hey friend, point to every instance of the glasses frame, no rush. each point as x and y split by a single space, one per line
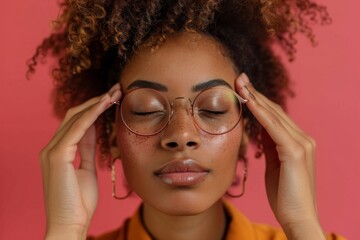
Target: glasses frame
171 103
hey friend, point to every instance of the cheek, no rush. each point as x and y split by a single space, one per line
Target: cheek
134 150
226 146
223 150
134 153
131 144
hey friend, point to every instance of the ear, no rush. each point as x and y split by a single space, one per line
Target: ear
114 149
244 142
243 146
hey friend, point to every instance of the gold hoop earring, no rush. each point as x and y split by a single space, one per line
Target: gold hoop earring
245 173
113 181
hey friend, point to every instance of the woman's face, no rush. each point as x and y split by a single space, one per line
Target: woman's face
182 170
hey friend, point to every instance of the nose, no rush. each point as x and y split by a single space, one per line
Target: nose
181 132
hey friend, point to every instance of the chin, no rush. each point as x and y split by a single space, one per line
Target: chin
183 203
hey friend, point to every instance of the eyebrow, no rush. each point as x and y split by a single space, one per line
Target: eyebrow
160 87
147 84
209 84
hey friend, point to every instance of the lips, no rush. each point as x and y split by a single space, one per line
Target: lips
182 173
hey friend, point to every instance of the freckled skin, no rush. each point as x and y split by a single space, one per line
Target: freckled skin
179 67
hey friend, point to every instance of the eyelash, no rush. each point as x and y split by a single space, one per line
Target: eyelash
212 112
146 113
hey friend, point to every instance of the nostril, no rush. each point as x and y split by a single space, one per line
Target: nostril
172 144
191 144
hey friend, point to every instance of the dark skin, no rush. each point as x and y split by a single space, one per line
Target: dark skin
198 212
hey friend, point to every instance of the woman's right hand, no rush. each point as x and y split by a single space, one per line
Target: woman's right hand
71 194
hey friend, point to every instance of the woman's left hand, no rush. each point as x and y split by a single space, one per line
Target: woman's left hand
290 165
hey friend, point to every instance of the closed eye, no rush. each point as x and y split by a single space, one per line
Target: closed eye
211 112
147 113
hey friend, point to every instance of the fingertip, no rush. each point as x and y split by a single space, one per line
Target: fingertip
241 84
112 95
114 88
115 96
242 80
115 93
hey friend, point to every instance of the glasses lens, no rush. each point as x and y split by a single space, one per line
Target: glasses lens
217 110
145 111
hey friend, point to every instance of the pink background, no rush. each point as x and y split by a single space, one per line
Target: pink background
326 79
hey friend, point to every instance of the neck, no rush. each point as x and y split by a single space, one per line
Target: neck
208 225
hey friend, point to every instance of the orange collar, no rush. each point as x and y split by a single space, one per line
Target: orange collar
240 227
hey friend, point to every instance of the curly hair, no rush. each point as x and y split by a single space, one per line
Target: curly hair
93 40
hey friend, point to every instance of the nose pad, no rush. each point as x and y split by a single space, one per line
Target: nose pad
181 131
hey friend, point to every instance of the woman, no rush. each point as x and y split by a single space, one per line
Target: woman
175 89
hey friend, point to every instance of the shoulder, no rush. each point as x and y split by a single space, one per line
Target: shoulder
241 227
267 232
117 234
132 229
263 231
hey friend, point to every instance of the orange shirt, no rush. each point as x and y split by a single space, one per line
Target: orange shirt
240 228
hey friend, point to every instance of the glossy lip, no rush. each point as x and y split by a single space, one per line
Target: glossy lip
184 172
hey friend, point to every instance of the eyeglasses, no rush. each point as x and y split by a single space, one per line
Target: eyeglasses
146 112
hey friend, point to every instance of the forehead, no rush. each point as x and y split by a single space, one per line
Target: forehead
180 63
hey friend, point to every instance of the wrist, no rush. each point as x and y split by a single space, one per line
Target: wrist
304 231
62 236
68 232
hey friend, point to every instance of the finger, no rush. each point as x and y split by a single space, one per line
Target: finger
45 156
52 156
289 143
60 132
44 167
53 150
269 120
289 124
277 109
74 113
79 108
87 104
271 116
87 146
68 142
47 153
271 112
298 134
264 101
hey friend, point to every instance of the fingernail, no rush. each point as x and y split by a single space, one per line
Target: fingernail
247 92
243 80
